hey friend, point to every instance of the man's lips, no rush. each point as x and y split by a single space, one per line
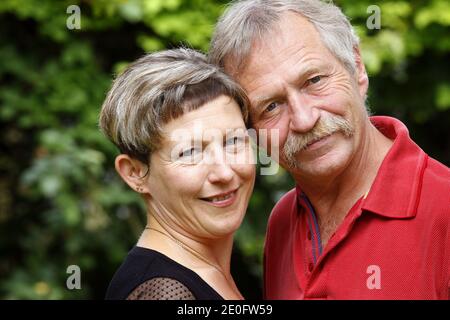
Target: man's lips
317 142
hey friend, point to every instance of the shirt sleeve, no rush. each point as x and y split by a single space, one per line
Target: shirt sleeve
161 289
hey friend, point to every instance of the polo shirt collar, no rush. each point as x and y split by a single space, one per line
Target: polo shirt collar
395 192
396 189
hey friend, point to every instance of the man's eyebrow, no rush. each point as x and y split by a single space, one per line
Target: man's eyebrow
263 100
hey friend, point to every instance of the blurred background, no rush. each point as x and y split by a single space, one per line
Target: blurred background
61 202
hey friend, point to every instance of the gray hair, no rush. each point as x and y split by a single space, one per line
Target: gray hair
157 88
247 21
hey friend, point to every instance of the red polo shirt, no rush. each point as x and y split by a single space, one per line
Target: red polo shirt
393 244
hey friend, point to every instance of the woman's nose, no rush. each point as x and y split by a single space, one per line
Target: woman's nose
221 173
220 170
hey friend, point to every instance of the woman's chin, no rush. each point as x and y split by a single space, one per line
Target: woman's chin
226 227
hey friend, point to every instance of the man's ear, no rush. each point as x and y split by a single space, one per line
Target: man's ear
361 75
132 171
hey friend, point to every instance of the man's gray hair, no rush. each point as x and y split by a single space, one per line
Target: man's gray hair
157 88
248 21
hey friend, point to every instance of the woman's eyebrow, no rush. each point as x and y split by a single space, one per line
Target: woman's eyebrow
206 138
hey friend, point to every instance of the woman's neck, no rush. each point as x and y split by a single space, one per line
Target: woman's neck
210 259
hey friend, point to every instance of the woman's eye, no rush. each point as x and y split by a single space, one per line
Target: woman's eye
233 141
188 152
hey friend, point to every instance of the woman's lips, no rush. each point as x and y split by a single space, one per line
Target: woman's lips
222 200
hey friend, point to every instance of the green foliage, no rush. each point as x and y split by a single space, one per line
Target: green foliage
61 202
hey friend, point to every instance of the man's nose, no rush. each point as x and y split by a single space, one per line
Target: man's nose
302 113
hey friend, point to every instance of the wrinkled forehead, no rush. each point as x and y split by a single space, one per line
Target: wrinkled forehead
290 31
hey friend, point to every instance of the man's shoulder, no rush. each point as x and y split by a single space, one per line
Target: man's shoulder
436 179
435 192
282 209
438 172
279 222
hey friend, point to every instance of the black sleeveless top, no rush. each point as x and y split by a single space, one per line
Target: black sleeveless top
147 274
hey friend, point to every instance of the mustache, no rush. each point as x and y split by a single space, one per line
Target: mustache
324 127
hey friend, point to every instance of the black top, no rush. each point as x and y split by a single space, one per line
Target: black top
148 274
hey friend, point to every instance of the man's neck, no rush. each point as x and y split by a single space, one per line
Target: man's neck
333 196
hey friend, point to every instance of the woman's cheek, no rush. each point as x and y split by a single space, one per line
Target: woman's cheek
187 178
245 171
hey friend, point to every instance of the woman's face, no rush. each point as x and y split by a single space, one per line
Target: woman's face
201 179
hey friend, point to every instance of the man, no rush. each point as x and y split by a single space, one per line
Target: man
370 215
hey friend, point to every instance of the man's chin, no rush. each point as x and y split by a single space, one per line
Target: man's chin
324 165
291 165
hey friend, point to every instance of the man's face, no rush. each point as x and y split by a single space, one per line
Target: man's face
298 87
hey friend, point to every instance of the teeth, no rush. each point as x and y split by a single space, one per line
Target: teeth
222 198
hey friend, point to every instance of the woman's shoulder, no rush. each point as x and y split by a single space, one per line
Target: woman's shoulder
161 288
149 274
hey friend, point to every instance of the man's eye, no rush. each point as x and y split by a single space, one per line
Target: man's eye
271 107
315 79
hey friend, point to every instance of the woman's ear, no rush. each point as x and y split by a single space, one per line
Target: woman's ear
132 172
361 75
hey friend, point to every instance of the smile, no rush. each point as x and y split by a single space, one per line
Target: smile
317 142
222 200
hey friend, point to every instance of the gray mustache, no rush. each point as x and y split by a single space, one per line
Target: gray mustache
324 127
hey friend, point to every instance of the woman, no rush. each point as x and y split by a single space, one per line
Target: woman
180 125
